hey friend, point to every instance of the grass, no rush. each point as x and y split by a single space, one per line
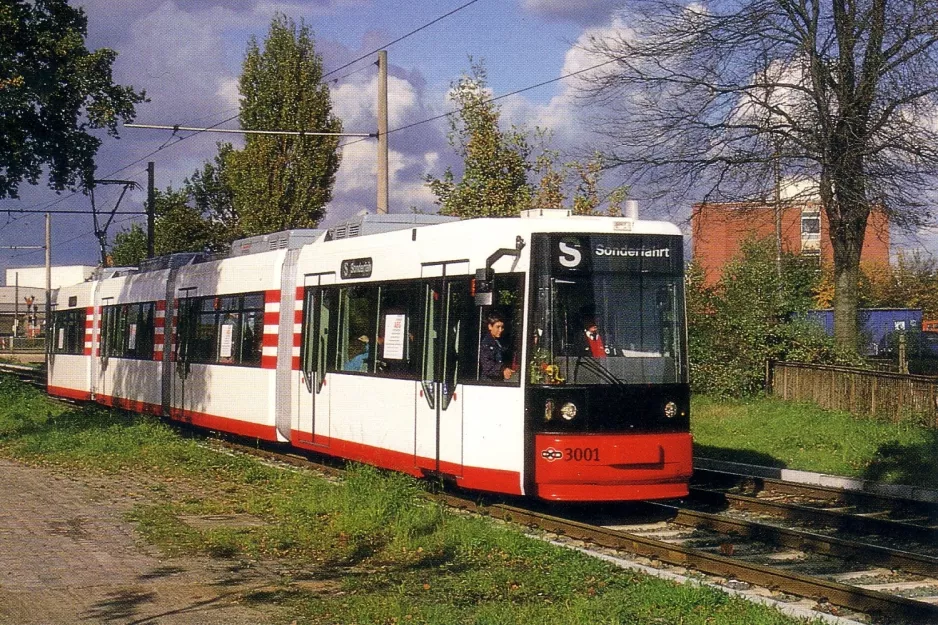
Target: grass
369 549
774 432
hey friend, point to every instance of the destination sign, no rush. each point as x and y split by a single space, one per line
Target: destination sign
356 268
614 253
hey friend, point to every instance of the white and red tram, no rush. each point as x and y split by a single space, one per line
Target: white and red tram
363 342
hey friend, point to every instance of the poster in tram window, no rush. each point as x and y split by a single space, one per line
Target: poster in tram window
395 327
227 334
132 336
61 338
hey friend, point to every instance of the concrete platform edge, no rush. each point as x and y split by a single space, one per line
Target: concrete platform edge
916 493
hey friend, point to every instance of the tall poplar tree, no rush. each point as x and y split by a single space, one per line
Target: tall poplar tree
282 182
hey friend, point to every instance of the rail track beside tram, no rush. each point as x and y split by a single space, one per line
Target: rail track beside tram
846 576
31 375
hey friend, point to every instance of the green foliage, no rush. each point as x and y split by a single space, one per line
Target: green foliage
774 432
495 163
129 247
179 226
210 193
750 316
283 182
52 91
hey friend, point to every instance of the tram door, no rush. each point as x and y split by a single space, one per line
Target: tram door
319 308
439 409
185 387
106 329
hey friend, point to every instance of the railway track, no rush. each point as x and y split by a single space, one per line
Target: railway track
843 576
31 375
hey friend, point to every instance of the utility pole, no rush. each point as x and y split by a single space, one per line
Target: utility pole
151 209
16 308
48 319
382 132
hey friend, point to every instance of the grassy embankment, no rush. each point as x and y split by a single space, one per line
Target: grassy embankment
773 432
378 550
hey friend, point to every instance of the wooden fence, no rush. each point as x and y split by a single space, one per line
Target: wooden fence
892 396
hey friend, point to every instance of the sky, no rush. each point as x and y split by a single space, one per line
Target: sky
187 55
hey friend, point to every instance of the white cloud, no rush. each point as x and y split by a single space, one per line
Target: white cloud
580 11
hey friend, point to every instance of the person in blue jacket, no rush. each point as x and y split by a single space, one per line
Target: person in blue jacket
491 351
359 362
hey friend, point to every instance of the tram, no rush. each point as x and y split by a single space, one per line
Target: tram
374 341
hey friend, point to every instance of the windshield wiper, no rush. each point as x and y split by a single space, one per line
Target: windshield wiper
594 367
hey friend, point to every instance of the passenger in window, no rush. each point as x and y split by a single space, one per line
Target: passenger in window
590 342
491 351
360 361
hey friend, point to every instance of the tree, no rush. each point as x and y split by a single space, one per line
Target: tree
495 163
210 192
179 226
731 97
129 247
52 91
282 182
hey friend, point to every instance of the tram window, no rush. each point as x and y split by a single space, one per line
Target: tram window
226 329
68 331
357 336
399 337
127 331
507 300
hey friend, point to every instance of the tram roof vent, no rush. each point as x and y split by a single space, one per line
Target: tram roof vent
546 213
284 240
366 223
172 261
102 273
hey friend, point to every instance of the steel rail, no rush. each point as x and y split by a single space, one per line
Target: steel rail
29 374
871 602
842 521
805 541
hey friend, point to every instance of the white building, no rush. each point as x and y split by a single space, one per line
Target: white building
64 275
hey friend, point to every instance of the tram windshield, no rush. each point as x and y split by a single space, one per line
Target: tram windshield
608 309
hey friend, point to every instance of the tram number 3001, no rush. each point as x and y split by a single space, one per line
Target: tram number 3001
581 454
576 454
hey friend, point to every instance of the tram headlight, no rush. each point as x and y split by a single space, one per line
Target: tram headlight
568 411
670 410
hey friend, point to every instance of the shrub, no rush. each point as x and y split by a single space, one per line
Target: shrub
752 315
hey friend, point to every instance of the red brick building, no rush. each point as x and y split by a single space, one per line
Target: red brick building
718 231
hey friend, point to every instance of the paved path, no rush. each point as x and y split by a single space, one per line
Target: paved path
67 556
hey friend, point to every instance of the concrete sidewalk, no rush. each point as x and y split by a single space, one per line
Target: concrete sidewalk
67 556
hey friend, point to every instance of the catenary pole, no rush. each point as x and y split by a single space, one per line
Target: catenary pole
382 131
48 319
151 209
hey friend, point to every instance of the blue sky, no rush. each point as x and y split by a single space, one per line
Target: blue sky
187 55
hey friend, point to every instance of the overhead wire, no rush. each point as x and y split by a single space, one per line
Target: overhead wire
490 100
37 208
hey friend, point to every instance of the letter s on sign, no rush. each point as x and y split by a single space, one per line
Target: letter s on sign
571 256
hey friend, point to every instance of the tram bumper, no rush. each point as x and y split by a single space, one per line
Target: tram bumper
612 467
